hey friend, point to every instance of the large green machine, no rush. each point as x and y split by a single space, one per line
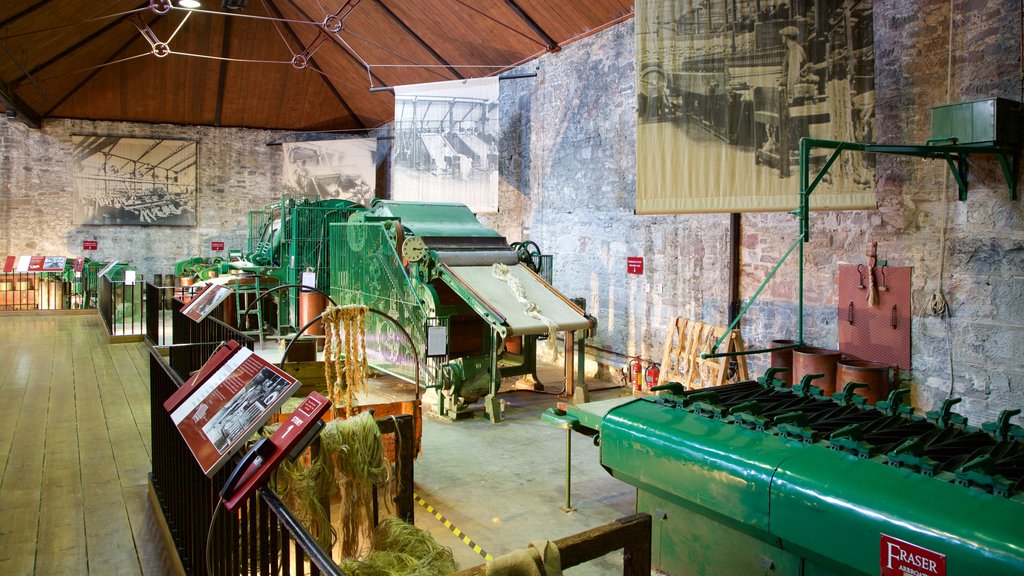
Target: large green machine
286 239
758 478
461 293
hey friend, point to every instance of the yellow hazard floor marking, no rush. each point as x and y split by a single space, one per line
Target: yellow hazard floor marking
448 524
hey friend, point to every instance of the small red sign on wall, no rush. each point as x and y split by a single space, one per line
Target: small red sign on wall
899 558
89 244
635 264
217 246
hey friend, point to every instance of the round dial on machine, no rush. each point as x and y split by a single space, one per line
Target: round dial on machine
413 249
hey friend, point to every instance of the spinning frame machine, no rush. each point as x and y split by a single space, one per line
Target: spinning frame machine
761 478
433 265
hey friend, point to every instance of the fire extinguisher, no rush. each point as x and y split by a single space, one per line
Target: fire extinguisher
652 374
636 370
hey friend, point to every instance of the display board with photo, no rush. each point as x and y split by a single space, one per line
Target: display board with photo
324 169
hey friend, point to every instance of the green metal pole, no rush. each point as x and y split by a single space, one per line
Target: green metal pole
568 471
805 155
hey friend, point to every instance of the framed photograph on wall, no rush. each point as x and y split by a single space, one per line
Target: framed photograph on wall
134 181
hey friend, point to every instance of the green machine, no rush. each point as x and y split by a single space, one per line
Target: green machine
759 478
289 238
285 240
473 310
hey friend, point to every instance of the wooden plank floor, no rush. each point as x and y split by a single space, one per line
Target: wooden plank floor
74 451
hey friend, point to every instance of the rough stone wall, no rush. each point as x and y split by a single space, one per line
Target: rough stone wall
568 183
237 173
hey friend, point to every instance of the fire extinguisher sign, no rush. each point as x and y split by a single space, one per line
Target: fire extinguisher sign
901 558
635 264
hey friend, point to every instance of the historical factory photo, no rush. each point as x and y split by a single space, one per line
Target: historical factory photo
732 86
134 181
235 417
344 169
446 143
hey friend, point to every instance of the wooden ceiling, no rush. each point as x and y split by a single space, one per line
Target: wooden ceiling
281 64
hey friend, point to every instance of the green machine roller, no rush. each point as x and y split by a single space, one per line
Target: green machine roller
757 478
435 269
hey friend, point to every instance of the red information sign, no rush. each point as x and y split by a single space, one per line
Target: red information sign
35 263
635 264
89 244
216 246
901 558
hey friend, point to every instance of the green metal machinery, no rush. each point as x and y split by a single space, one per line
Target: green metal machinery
436 270
285 240
289 238
758 478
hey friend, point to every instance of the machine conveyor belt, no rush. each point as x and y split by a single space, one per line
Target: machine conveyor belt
498 296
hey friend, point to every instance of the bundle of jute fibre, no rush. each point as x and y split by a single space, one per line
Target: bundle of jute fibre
344 354
353 452
401 549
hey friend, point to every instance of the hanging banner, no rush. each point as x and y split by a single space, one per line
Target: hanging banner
325 169
725 91
446 143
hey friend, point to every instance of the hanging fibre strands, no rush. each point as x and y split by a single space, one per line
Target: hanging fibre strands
305 487
345 329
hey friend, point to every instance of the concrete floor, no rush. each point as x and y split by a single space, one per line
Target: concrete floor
503 484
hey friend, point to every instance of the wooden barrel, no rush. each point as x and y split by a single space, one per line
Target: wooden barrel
877 376
807 360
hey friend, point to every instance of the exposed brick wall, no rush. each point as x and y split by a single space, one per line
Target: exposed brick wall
237 172
568 183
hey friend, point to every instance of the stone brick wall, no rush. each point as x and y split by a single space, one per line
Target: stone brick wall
568 183
237 172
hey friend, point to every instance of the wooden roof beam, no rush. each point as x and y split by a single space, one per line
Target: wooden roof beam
223 71
32 8
327 82
14 104
67 51
97 70
551 43
419 40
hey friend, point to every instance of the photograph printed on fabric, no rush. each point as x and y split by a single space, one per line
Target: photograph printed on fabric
446 143
726 90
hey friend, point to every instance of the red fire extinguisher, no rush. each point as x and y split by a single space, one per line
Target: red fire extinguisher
652 374
636 370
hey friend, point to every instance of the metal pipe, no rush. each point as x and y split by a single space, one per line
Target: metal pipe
735 225
570 377
568 471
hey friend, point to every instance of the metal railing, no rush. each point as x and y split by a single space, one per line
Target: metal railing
210 329
46 291
262 536
121 307
160 311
